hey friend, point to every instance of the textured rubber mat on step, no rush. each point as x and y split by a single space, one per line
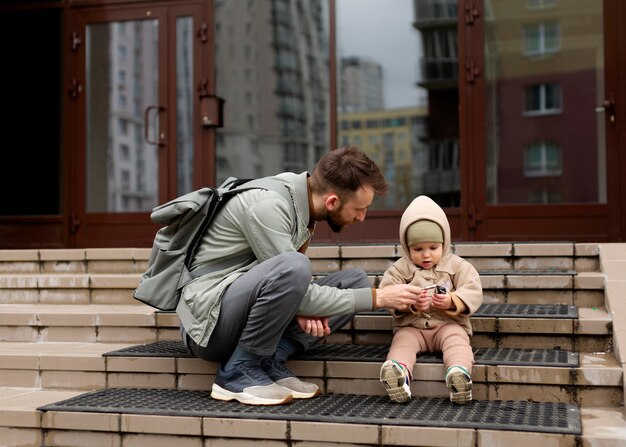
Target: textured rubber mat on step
510 310
529 272
157 349
545 417
377 353
483 356
527 311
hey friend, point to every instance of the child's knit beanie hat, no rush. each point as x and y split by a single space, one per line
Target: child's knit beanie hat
423 231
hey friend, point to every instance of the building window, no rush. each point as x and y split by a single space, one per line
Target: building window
543 159
543 99
541 39
544 196
124 152
125 176
121 78
123 126
433 156
122 52
540 4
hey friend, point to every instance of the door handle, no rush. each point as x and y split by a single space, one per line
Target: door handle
608 106
159 139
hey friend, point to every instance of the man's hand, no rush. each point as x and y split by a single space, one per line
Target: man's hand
398 296
315 326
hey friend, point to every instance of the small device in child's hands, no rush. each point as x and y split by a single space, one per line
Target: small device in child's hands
439 289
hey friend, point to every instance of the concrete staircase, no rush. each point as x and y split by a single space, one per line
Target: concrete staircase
62 310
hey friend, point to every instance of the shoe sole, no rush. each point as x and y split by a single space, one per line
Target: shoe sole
219 393
397 389
460 390
298 395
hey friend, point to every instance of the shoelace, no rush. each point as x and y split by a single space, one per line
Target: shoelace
280 366
256 372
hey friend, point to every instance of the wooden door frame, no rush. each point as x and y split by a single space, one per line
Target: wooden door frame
135 229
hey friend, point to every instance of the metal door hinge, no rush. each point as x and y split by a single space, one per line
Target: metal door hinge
75 41
471 12
203 88
473 217
75 222
75 88
471 72
203 33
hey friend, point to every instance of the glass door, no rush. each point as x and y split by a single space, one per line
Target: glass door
539 113
135 104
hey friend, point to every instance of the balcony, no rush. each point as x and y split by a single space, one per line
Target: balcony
438 72
433 13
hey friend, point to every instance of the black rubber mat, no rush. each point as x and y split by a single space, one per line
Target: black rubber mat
482 356
512 311
157 349
377 353
529 272
486 272
527 311
545 417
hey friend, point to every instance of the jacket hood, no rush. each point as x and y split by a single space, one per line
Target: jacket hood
423 207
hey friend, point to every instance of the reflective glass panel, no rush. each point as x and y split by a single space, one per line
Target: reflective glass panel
184 104
122 79
544 79
271 62
397 94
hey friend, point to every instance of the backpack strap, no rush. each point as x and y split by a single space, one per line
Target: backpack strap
261 183
266 183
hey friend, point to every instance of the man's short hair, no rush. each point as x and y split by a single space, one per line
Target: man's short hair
345 170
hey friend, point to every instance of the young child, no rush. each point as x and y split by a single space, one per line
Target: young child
439 321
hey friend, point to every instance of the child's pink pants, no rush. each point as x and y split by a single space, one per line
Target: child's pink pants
451 339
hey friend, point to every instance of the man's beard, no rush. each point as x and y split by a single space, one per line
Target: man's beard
331 219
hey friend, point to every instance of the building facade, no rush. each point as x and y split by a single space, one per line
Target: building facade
505 113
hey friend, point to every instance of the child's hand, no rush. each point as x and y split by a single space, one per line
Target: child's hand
442 301
422 303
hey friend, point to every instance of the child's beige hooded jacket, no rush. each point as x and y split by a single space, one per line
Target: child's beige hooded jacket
458 275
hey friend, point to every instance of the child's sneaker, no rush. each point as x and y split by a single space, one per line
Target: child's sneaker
397 380
459 382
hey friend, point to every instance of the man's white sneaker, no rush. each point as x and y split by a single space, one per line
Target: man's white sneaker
250 385
279 373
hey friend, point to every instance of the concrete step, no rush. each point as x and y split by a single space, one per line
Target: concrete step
53 353
597 380
21 424
581 257
584 288
510 272
589 332
87 323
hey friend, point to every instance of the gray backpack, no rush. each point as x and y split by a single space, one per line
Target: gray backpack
186 218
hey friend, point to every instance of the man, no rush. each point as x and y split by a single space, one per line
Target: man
258 305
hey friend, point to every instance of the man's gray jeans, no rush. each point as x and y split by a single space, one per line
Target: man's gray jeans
259 307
